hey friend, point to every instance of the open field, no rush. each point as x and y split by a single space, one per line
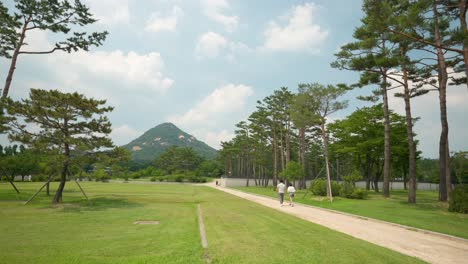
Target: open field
428 213
102 231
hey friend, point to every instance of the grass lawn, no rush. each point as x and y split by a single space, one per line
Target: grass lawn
428 213
102 231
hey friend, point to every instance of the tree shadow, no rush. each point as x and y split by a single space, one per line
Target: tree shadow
98 204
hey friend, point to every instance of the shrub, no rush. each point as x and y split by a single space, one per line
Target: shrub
359 194
39 178
347 190
153 179
319 187
179 178
459 199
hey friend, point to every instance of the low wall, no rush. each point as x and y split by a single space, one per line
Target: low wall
240 182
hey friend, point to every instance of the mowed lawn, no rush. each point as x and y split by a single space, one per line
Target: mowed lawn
102 231
428 213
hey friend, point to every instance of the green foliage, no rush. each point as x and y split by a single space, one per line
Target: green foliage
178 159
459 164
8 32
458 201
209 168
18 161
319 187
347 189
293 171
158 139
359 194
49 15
67 122
353 177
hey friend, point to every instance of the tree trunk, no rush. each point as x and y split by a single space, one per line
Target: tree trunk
386 172
405 177
275 157
325 144
63 179
442 79
448 175
14 58
409 132
288 143
282 149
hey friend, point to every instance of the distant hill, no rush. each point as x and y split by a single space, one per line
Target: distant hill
154 141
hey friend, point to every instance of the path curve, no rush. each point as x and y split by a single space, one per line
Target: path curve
433 248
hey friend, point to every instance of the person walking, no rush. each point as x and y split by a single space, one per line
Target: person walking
280 187
291 191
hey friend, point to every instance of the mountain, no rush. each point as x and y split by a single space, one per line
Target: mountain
154 141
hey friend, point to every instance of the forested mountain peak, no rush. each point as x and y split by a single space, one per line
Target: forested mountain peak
154 141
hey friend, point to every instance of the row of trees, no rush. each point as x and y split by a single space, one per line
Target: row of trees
293 141
416 46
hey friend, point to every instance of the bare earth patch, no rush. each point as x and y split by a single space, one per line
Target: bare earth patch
146 222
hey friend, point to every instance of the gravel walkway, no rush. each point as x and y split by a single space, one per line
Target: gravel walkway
426 245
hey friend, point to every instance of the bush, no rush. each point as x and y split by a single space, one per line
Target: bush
39 178
459 199
359 194
319 187
347 190
179 178
153 179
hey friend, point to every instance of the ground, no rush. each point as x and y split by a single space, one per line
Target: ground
428 213
102 231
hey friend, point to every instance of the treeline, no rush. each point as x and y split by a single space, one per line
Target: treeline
178 164
413 46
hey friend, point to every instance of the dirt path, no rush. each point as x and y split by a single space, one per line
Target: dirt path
433 248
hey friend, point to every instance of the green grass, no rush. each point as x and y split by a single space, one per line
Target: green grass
428 213
102 231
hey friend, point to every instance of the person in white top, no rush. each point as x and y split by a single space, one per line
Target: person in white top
280 187
291 191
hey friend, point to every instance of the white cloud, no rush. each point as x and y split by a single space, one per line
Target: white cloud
206 118
102 74
210 45
213 138
301 33
110 11
428 127
226 99
157 23
123 134
132 69
214 9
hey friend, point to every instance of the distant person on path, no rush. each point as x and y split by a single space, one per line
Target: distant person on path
216 183
280 187
291 191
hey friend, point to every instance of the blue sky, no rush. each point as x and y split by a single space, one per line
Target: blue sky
203 64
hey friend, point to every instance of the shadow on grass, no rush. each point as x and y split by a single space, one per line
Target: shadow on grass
98 204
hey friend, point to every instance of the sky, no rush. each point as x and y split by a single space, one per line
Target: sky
203 64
